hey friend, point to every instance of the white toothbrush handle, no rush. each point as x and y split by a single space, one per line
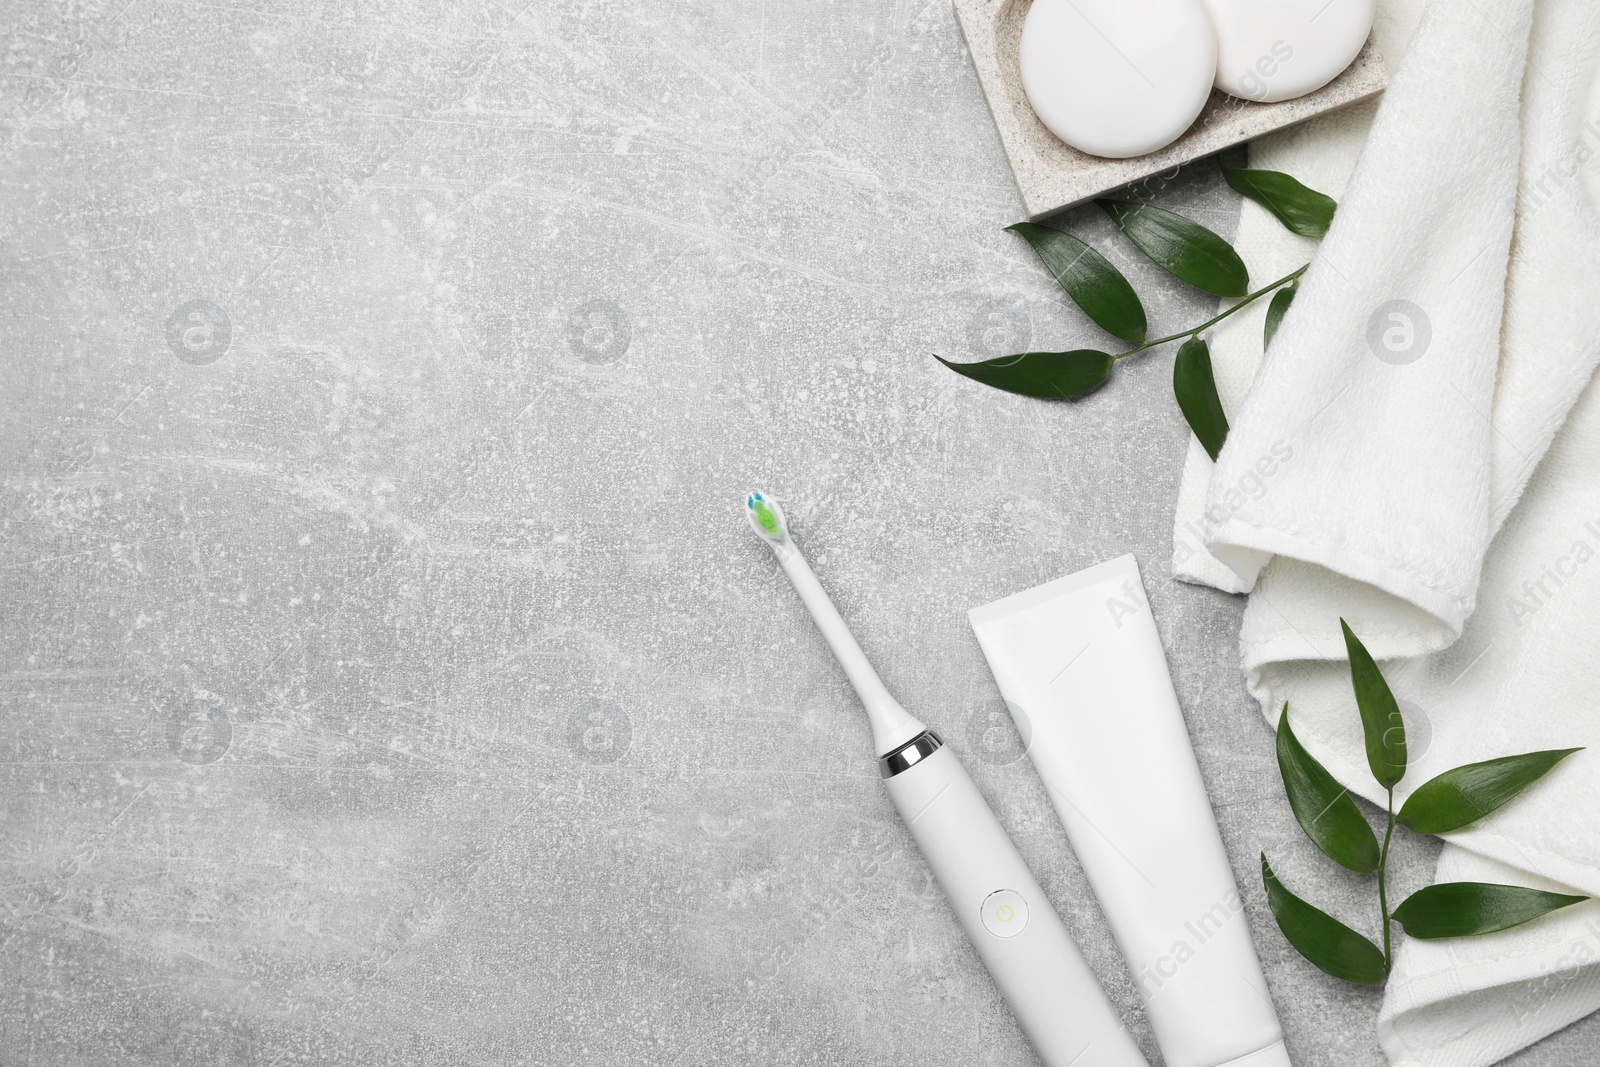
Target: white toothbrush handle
1019 936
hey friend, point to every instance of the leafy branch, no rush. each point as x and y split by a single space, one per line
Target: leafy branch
1453 800
1187 251
1246 301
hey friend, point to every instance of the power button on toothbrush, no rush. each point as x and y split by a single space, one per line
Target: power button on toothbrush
1004 913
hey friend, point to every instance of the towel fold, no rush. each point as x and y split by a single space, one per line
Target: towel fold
1420 454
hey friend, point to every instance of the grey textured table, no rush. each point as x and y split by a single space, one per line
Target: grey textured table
389 676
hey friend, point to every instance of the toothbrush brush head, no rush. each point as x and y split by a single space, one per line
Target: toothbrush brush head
766 518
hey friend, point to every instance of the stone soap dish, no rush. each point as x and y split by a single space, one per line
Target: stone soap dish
1053 176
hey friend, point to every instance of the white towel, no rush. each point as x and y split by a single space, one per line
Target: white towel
1394 461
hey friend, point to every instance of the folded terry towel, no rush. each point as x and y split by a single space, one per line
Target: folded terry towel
1420 454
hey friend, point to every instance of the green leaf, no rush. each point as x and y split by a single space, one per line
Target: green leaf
1321 938
1466 794
1304 211
1322 807
1183 248
1459 909
1048 375
1275 312
1381 722
1090 279
1196 390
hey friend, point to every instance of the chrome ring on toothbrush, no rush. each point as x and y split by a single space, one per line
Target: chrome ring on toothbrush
909 754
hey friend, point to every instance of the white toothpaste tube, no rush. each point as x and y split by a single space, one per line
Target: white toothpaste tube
1081 667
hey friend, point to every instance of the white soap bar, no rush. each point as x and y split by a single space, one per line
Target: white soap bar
1270 50
1117 78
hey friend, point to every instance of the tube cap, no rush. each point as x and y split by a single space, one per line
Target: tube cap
1274 1055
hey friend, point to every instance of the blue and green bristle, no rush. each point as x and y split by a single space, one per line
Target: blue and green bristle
765 516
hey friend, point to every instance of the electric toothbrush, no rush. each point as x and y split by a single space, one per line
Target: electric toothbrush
1000 906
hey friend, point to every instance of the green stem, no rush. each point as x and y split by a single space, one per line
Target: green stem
1248 299
1383 889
